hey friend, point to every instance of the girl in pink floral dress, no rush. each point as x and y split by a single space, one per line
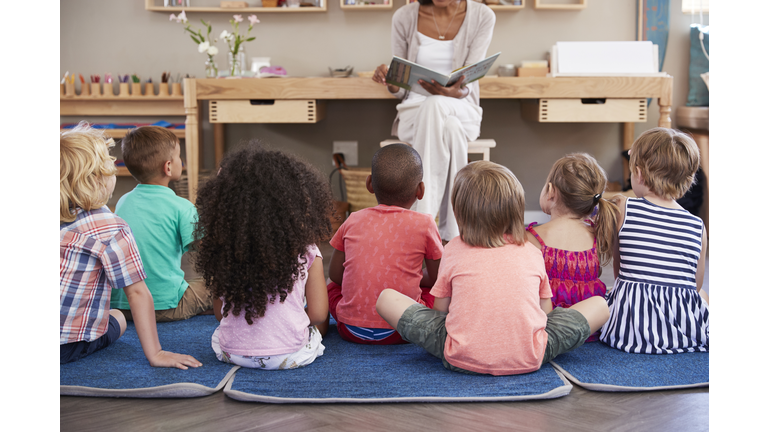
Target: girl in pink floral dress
579 237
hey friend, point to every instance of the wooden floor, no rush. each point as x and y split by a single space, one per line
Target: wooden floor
581 410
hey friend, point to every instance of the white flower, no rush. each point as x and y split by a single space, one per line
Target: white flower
238 18
203 47
224 35
182 17
213 50
253 19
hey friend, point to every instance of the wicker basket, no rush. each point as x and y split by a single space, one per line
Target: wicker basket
358 196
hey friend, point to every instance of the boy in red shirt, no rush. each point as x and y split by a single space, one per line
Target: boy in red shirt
383 247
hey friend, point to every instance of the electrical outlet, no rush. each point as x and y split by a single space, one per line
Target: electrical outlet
349 149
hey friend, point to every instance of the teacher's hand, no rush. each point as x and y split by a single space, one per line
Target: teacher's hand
380 76
456 90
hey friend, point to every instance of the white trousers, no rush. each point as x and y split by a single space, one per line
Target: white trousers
439 128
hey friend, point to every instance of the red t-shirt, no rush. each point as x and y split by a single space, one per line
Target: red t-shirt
384 247
495 323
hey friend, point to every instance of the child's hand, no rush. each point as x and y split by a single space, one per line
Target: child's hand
169 359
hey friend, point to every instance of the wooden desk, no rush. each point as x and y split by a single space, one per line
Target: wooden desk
196 90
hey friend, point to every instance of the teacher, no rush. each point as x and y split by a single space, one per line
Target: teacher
443 35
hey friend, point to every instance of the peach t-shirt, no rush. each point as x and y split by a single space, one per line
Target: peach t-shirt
384 247
495 324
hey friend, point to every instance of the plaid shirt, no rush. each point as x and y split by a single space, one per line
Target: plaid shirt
97 253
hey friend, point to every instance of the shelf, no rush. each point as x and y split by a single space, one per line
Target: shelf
151 6
123 171
122 106
539 4
364 7
119 133
502 7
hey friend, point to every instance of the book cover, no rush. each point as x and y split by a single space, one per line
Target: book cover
406 74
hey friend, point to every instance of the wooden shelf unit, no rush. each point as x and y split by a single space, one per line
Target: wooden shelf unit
507 8
364 7
151 6
542 5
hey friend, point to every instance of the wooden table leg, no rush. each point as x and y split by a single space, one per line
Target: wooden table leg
628 137
218 142
192 137
665 103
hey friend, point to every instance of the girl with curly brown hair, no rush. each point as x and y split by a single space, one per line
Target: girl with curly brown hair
260 220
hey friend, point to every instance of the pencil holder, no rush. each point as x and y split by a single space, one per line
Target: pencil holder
95 89
85 90
136 89
69 91
163 89
124 90
61 90
109 91
175 89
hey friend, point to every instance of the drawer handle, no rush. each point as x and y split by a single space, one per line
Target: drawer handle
592 101
262 101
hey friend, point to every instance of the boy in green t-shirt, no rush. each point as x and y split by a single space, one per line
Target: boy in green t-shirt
162 224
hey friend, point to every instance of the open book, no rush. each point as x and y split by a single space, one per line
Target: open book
406 74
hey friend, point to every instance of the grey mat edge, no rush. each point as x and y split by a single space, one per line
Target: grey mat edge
557 392
617 388
176 391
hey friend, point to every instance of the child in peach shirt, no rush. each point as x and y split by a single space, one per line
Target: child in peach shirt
492 312
383 247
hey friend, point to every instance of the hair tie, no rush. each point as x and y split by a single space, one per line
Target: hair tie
597 198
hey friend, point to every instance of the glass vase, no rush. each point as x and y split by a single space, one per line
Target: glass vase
211 71
237 62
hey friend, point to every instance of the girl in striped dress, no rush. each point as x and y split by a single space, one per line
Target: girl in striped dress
579 237
657 305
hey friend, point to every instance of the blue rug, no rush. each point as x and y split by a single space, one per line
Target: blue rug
121 370
596 366
349 372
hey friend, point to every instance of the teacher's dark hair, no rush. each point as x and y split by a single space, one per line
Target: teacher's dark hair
425 2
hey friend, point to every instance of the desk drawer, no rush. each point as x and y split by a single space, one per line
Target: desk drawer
265 111
585 110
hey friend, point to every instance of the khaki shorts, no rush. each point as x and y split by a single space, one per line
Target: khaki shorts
566 329
196 299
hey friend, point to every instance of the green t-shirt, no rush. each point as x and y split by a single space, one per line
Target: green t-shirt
162 224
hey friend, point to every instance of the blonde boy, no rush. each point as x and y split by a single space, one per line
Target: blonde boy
97 251
162 222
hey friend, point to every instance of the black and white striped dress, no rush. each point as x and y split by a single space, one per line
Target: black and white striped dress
654 306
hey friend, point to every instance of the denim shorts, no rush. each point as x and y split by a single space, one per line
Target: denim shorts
77 350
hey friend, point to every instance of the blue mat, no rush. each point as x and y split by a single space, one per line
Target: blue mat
596 366
349 372
121 370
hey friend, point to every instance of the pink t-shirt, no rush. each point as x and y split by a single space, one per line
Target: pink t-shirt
495 324
282 330
384 247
